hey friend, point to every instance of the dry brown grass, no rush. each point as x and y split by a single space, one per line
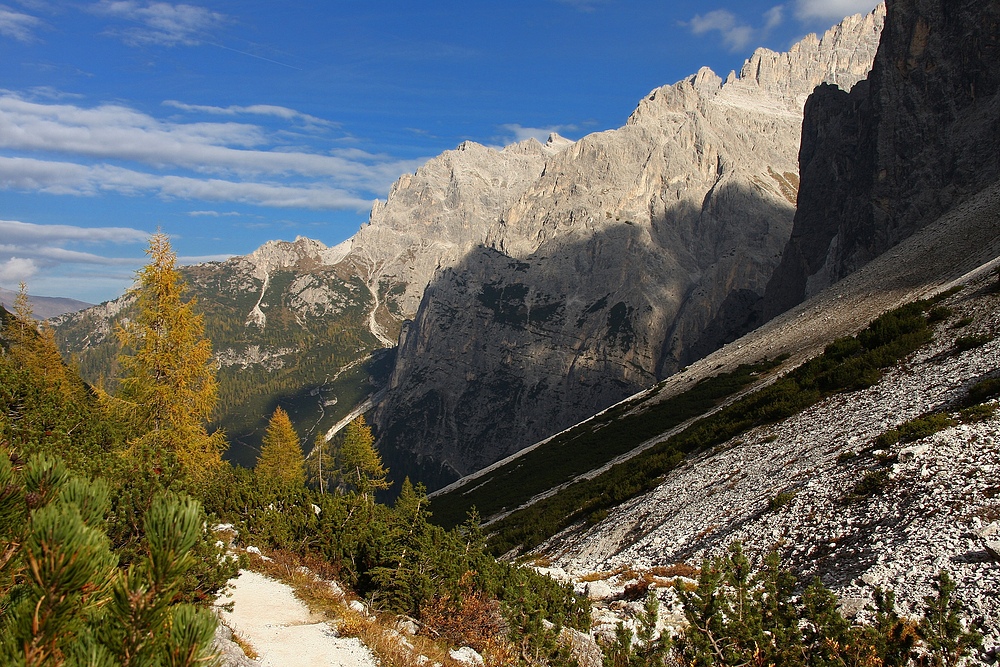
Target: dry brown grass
245 646
624 571
540 561
661 577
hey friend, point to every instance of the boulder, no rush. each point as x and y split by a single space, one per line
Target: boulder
467 656
599 590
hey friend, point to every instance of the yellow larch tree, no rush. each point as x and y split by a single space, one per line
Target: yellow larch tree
168 381
281 464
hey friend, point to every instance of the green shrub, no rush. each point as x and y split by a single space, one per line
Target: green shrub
62 590
873 482
983 390
780 500
845 456
977 413
923 426
887 439
963 322
965 343
737 616
938 314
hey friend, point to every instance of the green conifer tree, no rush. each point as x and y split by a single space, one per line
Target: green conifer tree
321 465
941 627
360 464
62 599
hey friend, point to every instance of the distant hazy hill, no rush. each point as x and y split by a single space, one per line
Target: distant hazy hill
44 306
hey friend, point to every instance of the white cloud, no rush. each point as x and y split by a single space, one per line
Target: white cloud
16 25
520 133
213 214
773 18
253 110
49 253
831 10
66 178
16 270
160 23
13 231
52 255
735 34
224 161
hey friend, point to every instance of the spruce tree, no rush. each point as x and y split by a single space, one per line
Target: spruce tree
360 464
281 465
321 466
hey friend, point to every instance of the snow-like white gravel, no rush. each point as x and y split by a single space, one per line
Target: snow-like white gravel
283 631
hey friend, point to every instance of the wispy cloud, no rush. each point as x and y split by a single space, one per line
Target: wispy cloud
831 10
520 133
160 23
16 25
736 34
67 178
85 262
253 110
13 231
583 5
213 214
29 250
53 148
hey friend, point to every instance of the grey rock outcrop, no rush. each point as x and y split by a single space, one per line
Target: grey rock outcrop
631 253
919 136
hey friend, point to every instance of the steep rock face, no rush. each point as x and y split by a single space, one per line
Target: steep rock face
434 216
633 252
921 135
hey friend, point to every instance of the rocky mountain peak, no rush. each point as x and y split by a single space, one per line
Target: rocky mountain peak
276 255
556 143
777 81
434 216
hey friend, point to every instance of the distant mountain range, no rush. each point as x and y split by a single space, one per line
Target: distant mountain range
44 307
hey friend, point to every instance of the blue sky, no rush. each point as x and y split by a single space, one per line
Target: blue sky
226 123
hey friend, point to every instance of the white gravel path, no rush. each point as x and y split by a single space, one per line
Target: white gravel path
282 629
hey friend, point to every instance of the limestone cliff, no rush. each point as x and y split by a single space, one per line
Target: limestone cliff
919 136
436 215
631 253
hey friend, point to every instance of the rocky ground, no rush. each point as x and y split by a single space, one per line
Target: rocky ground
937 505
